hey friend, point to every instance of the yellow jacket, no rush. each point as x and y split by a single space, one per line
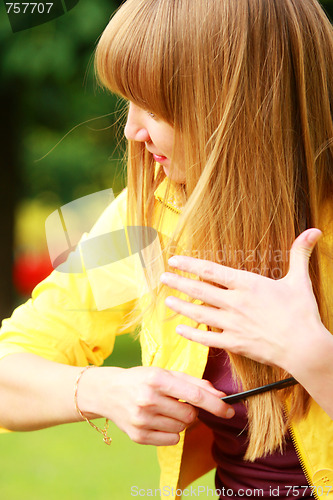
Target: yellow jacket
64 322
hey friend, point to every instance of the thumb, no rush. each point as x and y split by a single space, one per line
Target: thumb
301 250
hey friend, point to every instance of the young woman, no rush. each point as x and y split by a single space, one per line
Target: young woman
230 159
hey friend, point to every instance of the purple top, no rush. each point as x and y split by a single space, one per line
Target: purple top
274 475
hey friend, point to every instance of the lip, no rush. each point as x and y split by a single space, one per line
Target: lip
159 158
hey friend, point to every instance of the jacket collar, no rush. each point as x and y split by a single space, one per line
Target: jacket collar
175 198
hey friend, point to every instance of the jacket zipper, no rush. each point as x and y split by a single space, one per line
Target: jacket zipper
301 461
173 209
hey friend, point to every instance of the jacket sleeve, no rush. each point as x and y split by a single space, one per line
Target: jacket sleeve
73 317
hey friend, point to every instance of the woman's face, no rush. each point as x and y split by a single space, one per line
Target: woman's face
158 137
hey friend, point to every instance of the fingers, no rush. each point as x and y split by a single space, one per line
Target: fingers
152 437
153 405
159 422
210 271
301 252
158 416
210 339
205 384
182 416
197 289
194 392
233 278
199 313
157 400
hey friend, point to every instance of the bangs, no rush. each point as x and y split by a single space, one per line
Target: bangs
135 55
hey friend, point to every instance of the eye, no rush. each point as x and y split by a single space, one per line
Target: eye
151 114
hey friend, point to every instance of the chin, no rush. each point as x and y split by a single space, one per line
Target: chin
173 176
166 171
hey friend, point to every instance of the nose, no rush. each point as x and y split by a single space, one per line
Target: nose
135 128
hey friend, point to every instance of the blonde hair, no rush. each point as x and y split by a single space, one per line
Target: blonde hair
248 86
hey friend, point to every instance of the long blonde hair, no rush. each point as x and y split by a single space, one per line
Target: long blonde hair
248 87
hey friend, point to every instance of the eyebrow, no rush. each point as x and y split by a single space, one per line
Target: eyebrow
275 386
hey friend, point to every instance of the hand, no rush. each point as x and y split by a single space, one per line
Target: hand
261 318
144 401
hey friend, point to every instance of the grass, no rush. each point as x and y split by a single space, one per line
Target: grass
71 462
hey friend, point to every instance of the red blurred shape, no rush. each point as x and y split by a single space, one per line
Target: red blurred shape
29 270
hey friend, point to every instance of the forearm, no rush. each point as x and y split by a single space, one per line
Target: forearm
313 368
36 393
145 402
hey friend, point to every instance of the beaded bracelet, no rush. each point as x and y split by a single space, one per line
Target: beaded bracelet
107 440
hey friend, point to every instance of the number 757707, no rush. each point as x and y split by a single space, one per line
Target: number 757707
22 8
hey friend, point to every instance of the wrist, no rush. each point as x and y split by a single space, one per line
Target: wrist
92 390
80 406
314 355
107 439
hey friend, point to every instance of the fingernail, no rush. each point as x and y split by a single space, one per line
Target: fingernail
173 262
169 301
230 413
179 329
312 237
164 278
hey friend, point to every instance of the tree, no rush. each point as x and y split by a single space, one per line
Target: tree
46 88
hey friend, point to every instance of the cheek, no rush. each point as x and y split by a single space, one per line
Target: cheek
166 136
168 148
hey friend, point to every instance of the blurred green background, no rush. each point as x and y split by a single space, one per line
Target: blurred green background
59 141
